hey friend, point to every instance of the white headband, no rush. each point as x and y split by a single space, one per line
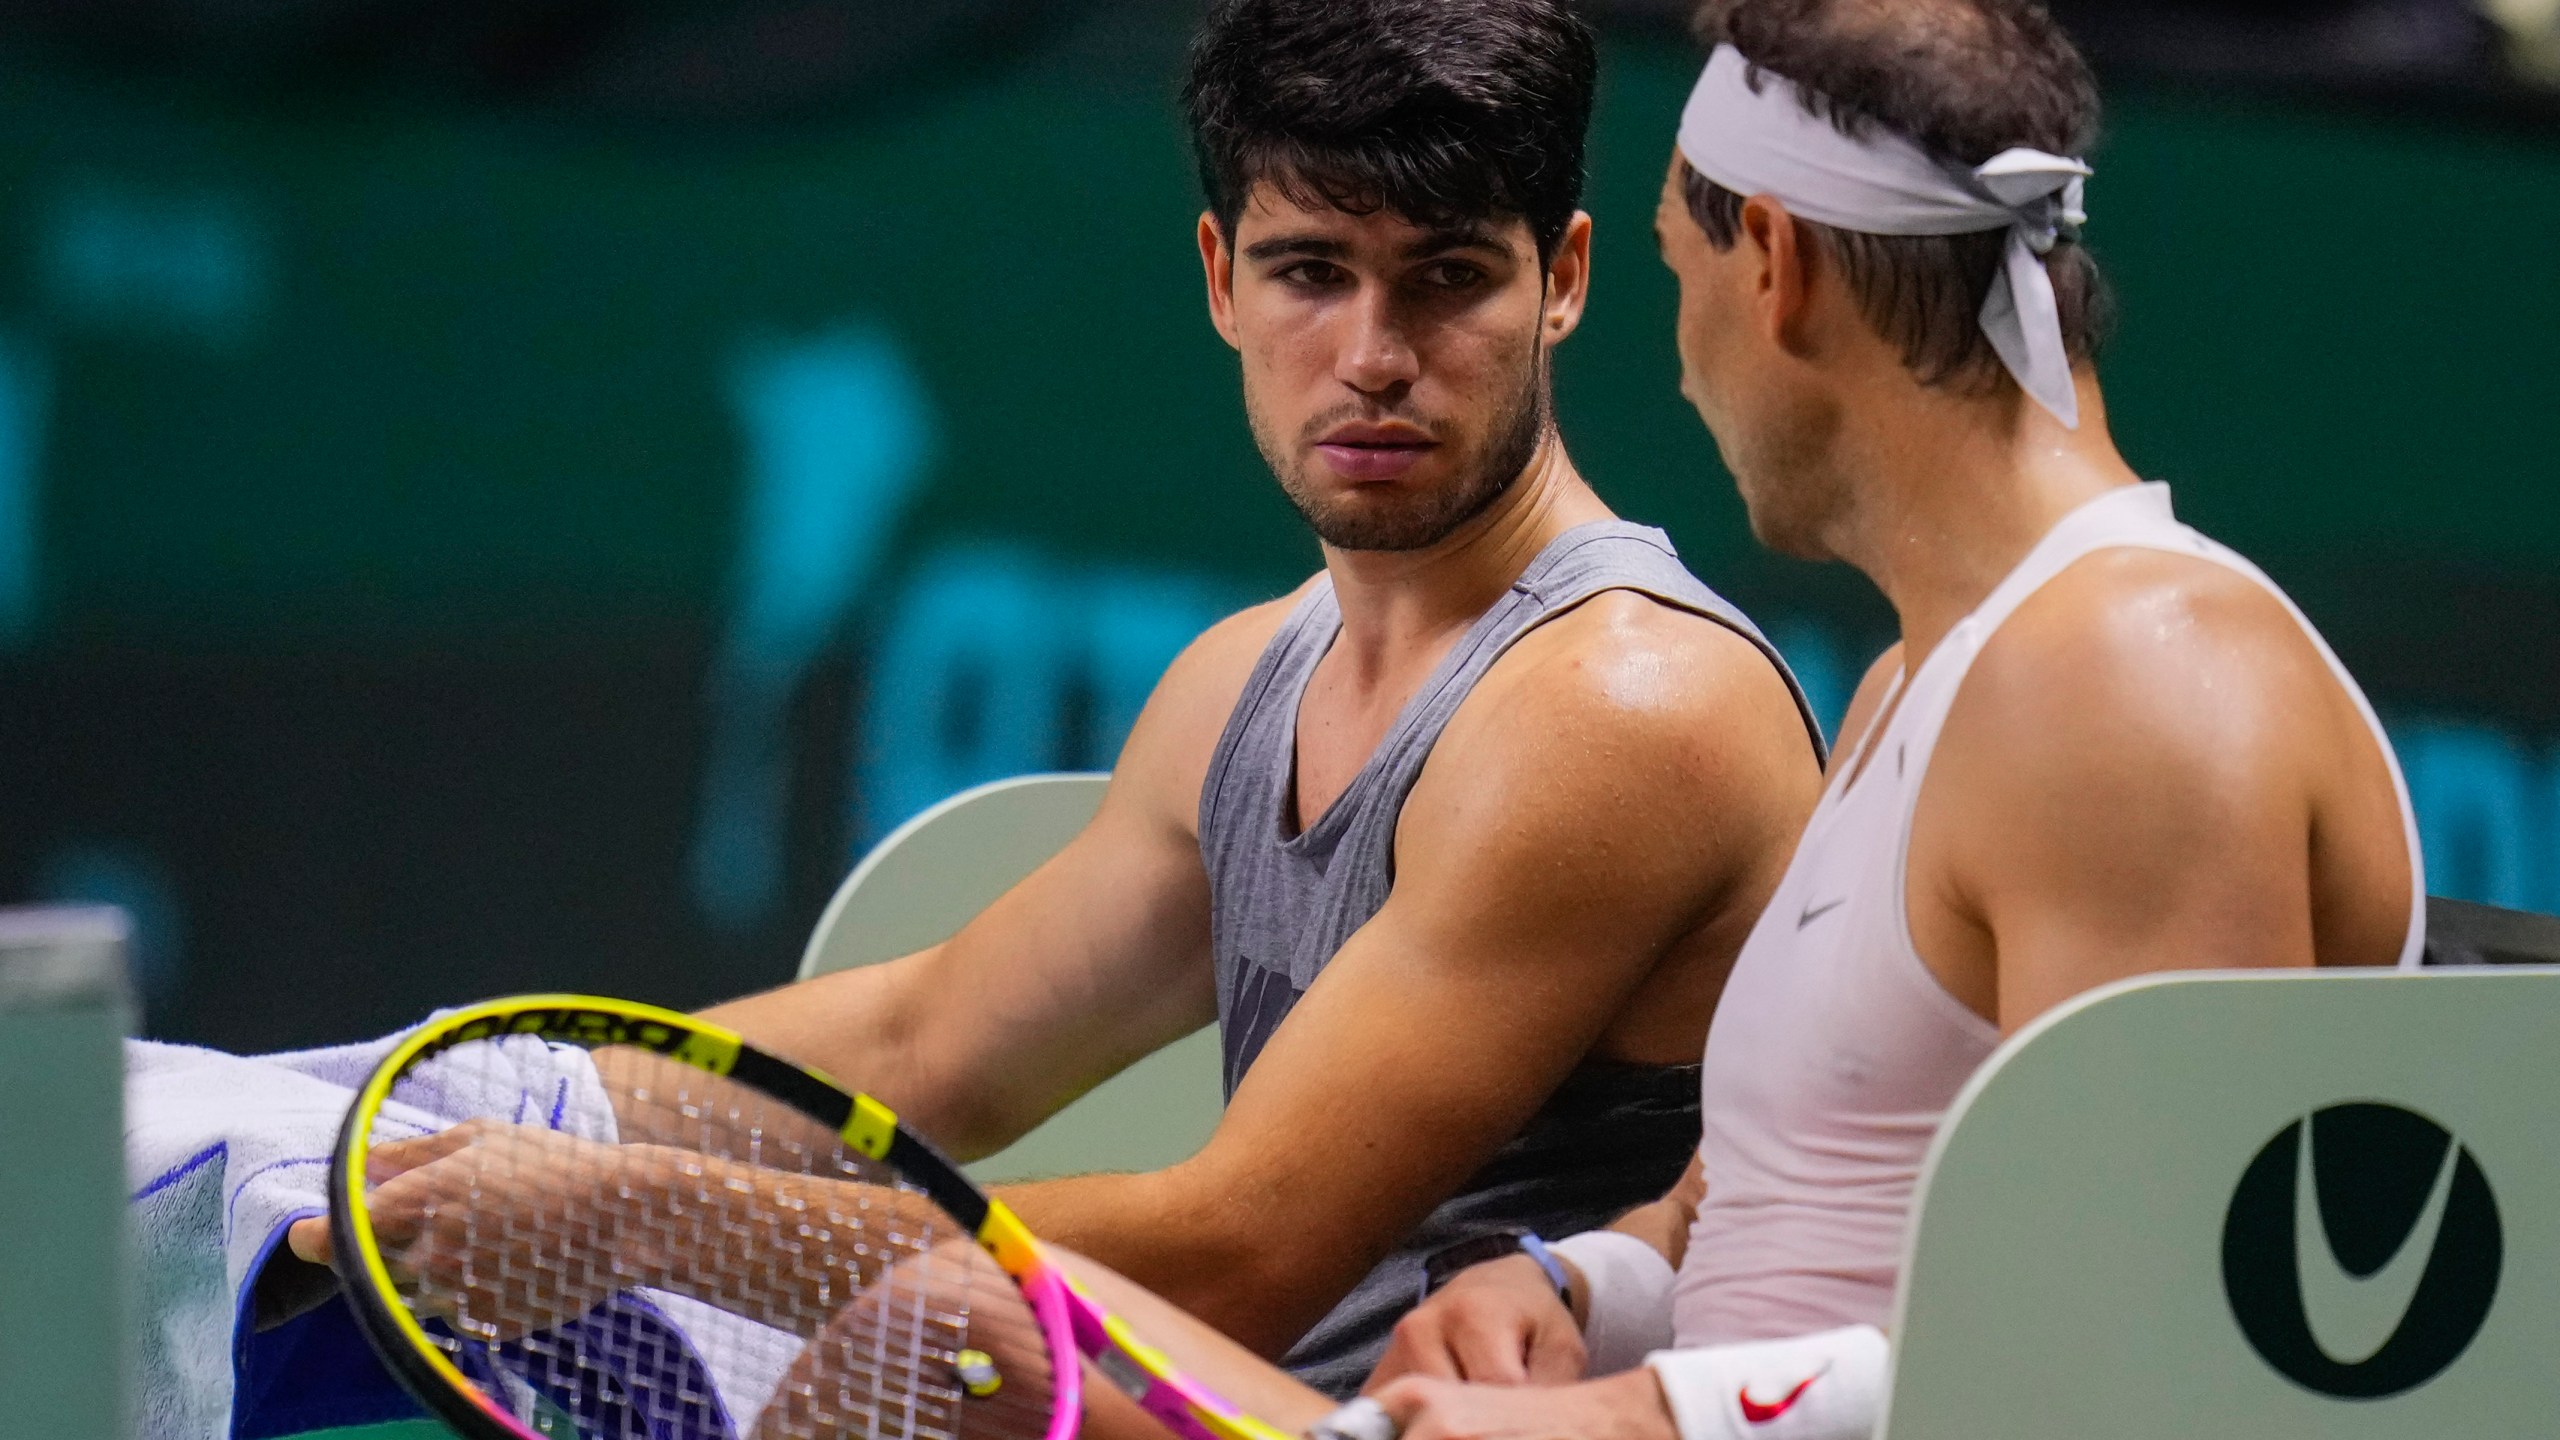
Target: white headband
1769 142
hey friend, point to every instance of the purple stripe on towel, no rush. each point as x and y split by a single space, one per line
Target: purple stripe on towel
184 1168
231 1205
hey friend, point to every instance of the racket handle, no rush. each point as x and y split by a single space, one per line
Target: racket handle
1362 1419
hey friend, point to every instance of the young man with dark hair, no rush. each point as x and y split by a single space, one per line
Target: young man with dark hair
1457 842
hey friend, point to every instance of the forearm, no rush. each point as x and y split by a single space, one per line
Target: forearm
856 1025
1207 1355
868 1029
1173 1235
797 1250
512 1229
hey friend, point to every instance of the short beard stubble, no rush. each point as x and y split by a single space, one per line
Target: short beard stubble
1434 516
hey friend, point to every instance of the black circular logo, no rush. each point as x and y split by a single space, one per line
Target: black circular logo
2361 1251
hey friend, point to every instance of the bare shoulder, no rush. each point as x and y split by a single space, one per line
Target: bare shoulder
1623 664
1213 668
2142 704
1627 707
2176 657
2150 766
1166 759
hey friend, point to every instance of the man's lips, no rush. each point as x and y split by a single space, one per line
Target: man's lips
1365 452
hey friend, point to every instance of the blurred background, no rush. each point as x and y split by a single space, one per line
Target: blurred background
502 494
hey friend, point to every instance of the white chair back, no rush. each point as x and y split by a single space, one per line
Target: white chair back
2249 1205
931 876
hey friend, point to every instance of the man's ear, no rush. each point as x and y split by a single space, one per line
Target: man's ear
1782 285
1568 281
1219 266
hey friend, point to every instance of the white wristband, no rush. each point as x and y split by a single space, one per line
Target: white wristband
1627 1287
1828 1386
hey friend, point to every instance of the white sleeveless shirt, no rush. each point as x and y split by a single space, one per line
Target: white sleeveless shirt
1835 1052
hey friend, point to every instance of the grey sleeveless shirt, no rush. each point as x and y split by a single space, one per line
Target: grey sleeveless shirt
1612 1136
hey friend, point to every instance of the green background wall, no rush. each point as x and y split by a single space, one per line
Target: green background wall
445 554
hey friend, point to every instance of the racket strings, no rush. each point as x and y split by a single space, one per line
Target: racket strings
701 1261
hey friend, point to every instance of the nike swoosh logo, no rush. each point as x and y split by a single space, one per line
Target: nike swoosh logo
1758 1414
2351 1318
1816 912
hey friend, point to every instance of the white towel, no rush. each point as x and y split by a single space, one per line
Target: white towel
224 1152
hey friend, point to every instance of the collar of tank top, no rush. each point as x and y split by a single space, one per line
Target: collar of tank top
1757 133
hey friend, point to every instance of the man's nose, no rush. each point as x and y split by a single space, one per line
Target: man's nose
1377 354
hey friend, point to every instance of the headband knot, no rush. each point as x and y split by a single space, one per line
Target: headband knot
2043 192
1772 139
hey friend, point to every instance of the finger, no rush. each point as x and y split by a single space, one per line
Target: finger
1405 1400
399 1157
1490 1350
401 1204
1403 1359
308 1238
1420 1347
1393 1365
1556 1355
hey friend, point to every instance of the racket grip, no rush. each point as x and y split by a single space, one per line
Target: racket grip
1362 1419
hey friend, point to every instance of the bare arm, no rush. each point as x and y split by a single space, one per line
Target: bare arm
1577 820
2137 777
1228 1369
1100 957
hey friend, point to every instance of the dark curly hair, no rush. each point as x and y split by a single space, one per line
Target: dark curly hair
1441 112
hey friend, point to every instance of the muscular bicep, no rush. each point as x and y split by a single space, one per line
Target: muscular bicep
1538 883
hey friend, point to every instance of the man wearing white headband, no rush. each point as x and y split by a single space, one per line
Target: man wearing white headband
2105 745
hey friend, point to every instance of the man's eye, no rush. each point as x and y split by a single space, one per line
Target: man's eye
1453 275
1311 274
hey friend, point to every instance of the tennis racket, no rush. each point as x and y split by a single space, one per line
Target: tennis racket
565 1218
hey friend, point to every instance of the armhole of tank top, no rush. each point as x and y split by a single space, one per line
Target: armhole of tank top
2413 943
1425 718
1740 624
1249 702
1915 967
1556 609
1712 608
1838 779
2005 600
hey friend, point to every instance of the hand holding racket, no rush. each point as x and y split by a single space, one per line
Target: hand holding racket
756 1239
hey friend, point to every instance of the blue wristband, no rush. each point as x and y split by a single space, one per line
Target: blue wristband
1442 1266
1536 1249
